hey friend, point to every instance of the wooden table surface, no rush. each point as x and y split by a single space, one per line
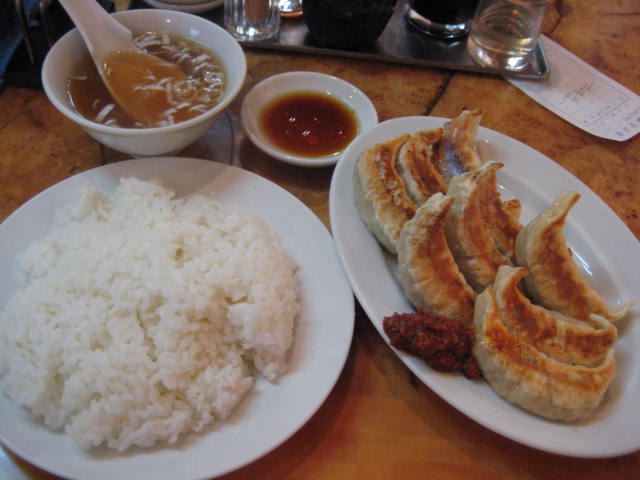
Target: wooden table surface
380 421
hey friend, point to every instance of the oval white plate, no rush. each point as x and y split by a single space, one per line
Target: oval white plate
277 85
272 412
607 250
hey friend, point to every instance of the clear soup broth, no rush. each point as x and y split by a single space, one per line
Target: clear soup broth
173 100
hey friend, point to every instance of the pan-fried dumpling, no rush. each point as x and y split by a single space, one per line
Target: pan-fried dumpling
526 377
467 231
560 337
426 268
513 208
415 165
502 218
458 150
380 193
554 280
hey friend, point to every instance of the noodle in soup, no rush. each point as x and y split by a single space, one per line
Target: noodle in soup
177 99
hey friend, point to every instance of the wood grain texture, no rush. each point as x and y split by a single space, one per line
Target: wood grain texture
380 422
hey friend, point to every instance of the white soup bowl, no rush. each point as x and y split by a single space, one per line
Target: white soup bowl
68 50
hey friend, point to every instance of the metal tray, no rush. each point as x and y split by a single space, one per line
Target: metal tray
399 43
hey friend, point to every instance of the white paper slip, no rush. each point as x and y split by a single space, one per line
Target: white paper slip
583 96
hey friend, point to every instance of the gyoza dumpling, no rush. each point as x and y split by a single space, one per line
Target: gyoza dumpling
458 151
554 280
502 218
467 230
380 193
415 165
562 338
427 271
524 376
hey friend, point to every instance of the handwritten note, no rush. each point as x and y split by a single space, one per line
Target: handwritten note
583 96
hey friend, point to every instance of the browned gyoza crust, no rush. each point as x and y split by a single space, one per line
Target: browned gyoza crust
391 178
416 167
457 151
554 280
380 193
528 378
426 268
501 218
563 338
467 230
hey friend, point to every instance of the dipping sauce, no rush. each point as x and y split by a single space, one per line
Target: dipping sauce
174 99
309 124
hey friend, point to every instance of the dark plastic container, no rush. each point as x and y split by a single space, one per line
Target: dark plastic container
347 24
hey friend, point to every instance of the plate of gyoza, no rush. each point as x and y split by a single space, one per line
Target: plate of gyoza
442 220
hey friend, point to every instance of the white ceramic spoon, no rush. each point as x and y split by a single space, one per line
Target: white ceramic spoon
106 40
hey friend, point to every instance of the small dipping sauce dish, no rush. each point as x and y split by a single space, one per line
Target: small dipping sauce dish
306 118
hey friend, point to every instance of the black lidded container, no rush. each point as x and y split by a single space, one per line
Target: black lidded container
347 24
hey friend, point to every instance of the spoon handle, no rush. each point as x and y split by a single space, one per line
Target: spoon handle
101 32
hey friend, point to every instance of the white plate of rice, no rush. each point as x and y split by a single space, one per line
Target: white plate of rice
290 383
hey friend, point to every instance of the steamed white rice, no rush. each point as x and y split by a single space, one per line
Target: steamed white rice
145 316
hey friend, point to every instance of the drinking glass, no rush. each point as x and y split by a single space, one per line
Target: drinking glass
504 32
252 20
445 19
